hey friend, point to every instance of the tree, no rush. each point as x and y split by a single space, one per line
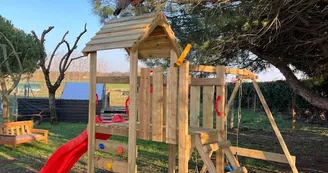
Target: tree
65 62
18 55
258 34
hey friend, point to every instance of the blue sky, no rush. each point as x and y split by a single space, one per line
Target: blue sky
71 15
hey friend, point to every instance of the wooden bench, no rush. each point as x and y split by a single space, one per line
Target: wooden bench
14 133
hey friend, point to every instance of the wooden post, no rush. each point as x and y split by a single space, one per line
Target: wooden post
133 112
294 110
92 112
275 127
183 118
171 110
221 120
232 118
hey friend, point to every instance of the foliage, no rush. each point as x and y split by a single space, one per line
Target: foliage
278 95
24 45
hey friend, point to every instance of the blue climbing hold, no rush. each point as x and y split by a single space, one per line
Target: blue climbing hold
101 146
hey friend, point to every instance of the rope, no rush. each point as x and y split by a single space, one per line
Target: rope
239 115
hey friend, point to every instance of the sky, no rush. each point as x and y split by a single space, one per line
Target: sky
71 15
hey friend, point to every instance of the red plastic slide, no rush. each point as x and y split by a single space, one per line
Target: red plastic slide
64 158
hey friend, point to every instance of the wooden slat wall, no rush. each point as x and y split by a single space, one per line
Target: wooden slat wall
194 106
144 104
157 106
208 100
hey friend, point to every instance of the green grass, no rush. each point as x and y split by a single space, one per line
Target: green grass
152 156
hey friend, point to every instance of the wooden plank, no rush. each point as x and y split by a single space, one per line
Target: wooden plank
125 38
194 106
275 127
294 110
263 155
232 98
183 117
144 103
116 45
111 165
205 156
176 46
92 112
208 109
157 106
133 111
220 120
123 28
154 45
134 18
119 34
112 147
112 130
212 69
204 82
155 54
171 120
130 23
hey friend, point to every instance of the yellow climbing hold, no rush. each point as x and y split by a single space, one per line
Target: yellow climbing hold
109 166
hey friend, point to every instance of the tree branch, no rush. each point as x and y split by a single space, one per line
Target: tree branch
15 80
72 59
55 50
73 48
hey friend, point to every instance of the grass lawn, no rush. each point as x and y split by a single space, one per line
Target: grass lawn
255 133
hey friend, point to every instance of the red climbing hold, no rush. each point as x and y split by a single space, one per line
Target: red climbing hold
218 113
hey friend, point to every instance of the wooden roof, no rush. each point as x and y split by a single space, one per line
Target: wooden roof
150 34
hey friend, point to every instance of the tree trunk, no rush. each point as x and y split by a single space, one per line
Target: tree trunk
52 107
302 90
311 96
5 110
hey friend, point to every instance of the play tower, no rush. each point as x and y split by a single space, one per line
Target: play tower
171 112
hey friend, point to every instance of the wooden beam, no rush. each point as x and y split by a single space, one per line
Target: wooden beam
275 127
252 153
92 112
157 106
211 69
171 110
232 98
205 156
183 117
133 111
125 80
220 120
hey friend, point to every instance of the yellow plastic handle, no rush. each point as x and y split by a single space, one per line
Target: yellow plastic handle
183 55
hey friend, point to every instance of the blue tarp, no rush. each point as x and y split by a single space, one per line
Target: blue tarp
80 91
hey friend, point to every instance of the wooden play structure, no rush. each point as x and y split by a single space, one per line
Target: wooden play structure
171 112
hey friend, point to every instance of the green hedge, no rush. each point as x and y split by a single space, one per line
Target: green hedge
278 95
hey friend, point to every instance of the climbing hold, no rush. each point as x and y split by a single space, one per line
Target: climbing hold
109 166
101 146
120 150
218 113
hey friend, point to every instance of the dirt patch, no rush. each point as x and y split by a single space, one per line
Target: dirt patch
311 150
